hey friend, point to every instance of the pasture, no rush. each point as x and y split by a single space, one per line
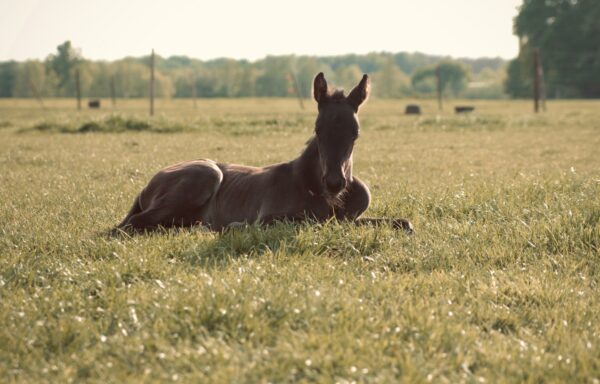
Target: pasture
499 283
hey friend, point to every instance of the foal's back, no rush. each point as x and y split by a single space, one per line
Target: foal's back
245 192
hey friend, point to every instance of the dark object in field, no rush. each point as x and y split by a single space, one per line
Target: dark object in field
317 185
412 109
94 103
464 108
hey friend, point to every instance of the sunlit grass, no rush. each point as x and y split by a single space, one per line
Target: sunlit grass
500 282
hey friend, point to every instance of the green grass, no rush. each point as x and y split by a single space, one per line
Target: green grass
499 284
112 124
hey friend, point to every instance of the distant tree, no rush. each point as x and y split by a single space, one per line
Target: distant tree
100 75
228 74
63 64
269 77
567 33
390 81
518 81
346 76
410 62
132 79
247 81
453 75
164 85
207 84
274 78
305 69
8 78
33 78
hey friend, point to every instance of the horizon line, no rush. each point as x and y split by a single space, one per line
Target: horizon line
254 60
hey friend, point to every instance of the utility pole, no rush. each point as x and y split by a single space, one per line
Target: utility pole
35 92
438 77
536 79
152 83
194 91
113 95
78 89
297 88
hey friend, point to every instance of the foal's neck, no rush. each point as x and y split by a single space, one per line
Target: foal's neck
307 167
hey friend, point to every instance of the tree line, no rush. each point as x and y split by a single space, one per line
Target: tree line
393 75
567 35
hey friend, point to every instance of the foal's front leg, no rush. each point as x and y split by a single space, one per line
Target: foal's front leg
266 221
356 201
404 224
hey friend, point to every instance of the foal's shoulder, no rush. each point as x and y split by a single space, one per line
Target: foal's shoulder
279 168
239 168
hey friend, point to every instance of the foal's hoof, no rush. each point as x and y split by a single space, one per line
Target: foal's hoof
235 225
119 232
403 224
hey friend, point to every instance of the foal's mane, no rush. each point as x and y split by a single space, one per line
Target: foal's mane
336 95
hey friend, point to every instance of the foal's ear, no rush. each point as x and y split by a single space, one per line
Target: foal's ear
320 87
359 93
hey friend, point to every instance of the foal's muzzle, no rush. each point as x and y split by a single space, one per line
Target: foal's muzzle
334 184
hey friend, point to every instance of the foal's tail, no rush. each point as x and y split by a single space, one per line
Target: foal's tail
136 208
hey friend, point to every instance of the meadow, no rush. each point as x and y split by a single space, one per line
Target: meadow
498 284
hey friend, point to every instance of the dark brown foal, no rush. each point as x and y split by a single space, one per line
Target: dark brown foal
317 185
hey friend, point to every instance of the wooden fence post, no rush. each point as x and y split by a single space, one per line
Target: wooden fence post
297 88
536 80
113 95
194 91
78 89
152 83
35 92
438 77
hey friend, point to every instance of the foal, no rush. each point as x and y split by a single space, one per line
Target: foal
317 185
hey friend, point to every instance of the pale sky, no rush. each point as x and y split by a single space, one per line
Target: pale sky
252 29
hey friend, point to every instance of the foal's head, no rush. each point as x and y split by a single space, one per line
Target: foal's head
336 131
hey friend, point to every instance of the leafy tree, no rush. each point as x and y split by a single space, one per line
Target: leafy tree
63 63
390 81
305 69
100 74
346 76
452 74
8 78
33 78
274 80
247 81
567 33
179 75
518 82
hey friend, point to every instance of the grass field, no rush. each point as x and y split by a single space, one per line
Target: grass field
499 284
